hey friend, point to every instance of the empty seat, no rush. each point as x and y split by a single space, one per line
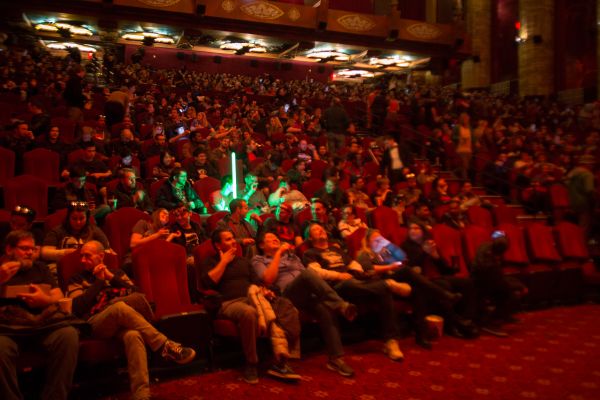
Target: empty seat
27 190
480 216
43 163
7 164
449 244
386 220
118 226
311 186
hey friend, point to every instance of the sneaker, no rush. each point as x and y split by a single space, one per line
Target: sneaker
392 350
250 374
348 310
174 351
494 331
283 371
338 365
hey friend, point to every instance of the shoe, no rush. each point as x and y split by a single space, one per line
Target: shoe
454 332
283 371
339 365
495 331
452 299
250 374
349 311
174 351
392 350
424 343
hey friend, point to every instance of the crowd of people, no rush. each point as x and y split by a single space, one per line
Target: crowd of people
313 169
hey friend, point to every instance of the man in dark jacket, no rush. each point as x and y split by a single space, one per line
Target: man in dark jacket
336 120
129 194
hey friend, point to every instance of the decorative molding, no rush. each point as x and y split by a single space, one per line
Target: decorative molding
356 22
424 31
294 14
159 3
262 10
228 5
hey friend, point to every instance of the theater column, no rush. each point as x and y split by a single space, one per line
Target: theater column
536 51
475 71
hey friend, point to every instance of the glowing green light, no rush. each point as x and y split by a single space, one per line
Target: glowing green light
234 175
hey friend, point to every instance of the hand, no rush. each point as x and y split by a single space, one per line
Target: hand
68 251
162 233
36 298
395 265
429 247
285 246
256 217
102 272
228 256
173 235
247 241
8 270
344 276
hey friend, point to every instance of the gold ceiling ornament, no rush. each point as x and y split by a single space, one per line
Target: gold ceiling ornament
356 22
159 3
228 5
262 10
424 31
294 14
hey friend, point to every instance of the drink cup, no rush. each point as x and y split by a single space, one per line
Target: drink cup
435 326
65 305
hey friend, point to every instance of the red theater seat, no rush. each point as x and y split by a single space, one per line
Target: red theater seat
118 226
449 243
43 163
27 190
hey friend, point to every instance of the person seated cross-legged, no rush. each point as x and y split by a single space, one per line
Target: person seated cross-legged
109 301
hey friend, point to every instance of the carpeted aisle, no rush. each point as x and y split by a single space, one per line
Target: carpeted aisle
552 354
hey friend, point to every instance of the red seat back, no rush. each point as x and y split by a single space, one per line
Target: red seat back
317 167
27 190
505 215
517 248
118 226
161 272
541 243
480 216
386 220
473 237
211 222
310 187
287 164
302 216
354 241
154 187
571 241
559 196
43 163
7 164
204 187
449 244
151 162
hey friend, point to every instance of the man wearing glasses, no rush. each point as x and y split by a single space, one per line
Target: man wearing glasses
19 266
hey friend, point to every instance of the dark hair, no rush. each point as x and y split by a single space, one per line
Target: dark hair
261 239
79 206
14 237
306 233
235 204
225 179
175 173
200 150
215 236
163 154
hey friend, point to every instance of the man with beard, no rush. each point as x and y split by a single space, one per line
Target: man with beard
19 266
128 194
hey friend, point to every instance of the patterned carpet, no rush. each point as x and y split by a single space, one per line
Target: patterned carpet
551 354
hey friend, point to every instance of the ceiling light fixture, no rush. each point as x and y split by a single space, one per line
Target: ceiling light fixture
329 54
140 36
243 47
355 73
56 26
67 45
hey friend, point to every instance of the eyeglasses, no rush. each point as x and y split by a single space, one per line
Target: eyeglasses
79 205
27 248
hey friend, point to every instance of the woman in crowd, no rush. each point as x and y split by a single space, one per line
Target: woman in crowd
76 230
166 166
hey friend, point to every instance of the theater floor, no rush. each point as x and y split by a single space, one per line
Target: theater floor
551 354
